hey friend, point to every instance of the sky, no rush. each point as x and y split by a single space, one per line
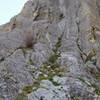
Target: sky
10 8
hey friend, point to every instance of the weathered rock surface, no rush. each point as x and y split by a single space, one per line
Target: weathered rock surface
51 51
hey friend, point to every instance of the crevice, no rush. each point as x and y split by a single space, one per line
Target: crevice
4 58
82 53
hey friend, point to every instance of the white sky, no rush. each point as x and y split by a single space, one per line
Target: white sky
10 8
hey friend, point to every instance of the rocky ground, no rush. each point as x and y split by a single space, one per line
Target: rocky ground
51 51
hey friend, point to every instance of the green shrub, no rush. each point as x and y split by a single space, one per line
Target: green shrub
21 97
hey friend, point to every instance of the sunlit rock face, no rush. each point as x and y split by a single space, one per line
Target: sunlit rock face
51 51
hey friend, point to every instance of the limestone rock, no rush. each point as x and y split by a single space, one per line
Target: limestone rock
45 51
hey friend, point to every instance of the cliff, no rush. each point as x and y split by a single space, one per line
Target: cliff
51 51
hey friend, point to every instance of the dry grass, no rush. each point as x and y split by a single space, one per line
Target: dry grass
28 39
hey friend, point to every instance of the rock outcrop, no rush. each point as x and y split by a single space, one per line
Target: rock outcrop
51 51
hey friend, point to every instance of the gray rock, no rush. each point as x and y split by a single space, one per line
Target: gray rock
49 51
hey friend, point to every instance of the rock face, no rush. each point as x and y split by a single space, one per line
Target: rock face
51 51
